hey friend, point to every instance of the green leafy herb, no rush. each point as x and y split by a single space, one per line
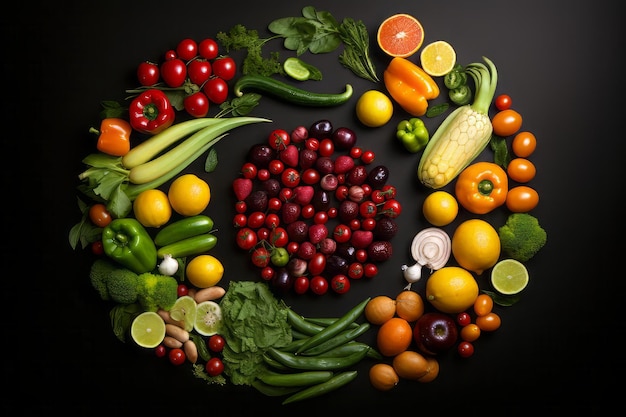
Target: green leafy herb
122 316
84 232
112 109
500 150
211 161
241 38
199 371
503 300
239 106
434 111
356 55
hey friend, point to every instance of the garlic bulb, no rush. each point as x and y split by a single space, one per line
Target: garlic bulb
431 247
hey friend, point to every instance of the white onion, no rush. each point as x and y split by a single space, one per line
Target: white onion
431 247
168 266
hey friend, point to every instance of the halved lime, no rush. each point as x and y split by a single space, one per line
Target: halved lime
208 318
509 276
184 310
296 69
148 329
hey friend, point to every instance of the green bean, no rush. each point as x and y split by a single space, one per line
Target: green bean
271 390
352 347
316 363
298 335
273 363
294 345
338 326
300 324
342 338
332 384
295 379
326 321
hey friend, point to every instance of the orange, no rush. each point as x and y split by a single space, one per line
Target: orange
380 309
409 305
189 195
394 336
400 35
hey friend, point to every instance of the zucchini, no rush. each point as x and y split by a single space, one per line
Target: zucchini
289 93
183 229
191 246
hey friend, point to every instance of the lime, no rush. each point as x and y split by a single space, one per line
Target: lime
509 276
148 329
208 318
184 310
296 69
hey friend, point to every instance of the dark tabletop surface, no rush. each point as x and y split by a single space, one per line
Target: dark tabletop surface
556 348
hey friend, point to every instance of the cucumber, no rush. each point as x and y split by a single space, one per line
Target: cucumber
183 229
191 246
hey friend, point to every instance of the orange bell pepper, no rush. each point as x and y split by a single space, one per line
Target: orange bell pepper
114 136
481 187
410 86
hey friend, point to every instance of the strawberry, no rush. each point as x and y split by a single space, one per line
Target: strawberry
242 188
290 155
303 194
317 233
361 239
343 164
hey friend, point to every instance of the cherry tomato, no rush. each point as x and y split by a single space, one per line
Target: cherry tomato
327 147
148 73
274 204
521 170
489 322
256 219
197 104
368 209
241 206
97 248
503 102
160 351
392 208
390 192
246 238
377 196
465 349
177 356
214 366
208 48
272 219
332 212
524 144
263 233
506 122
182 290
356 152
276 166
483 305
308 211
317 264
312 144
522 199
100 215
199 70
216 90
342 233
173 72
170 54
240 220
224 68
286 193
321 217
260 257
355 270
267 273
470 332
290 177
367 157
301 285
340 284
263 174
279 139
292 247
370 270
216 343
463 318
310 176
278 237
319 285
187 49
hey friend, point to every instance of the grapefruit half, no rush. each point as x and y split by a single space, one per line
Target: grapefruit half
400 35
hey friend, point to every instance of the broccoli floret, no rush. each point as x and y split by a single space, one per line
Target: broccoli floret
156 291
122 286
99 274
522 236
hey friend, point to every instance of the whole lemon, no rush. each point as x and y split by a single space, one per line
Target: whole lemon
204 271
152 208
451 289
440 208
374 108
189 195
476 245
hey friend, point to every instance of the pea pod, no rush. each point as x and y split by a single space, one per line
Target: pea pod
342 338
191 246
316 363
183 229
332 384
295 379
337 327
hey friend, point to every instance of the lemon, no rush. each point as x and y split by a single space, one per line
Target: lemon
509 276
451 289
152 208
204 271
374 108
476 245
438 58
148 329
189 195
208 318
184 310
440 208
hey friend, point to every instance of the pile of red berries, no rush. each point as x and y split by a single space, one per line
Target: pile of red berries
197 69
312 210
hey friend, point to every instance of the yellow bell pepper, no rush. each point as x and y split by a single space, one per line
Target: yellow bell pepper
410 86
482 187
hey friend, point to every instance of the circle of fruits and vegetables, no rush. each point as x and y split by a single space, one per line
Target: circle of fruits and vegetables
315 213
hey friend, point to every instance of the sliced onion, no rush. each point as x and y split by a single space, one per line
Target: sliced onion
431 247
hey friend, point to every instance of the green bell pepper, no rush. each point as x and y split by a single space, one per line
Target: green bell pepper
413 134
127 242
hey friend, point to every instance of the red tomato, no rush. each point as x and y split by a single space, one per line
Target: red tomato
100 215
310 176
390 192
279 237
214 366
321 217
177 356
224 68
246 238
356 152
274 204
272 219
355 270
276 166
290 177
260 257
521 170
319 285
171 54
187 49
506 122
197 104
97 248
249 170
367 157
216 90
208 48
340 284
148 73
182 290
503 102
522 199
524 144
327 147
267 273
199 70
216 343
392 208
241 206
160 351
465 349
301 285
370 270
368 209
256 219
173 72
368 224
463 318
342 233
317 264
279 139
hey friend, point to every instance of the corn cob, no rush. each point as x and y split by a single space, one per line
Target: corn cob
463 134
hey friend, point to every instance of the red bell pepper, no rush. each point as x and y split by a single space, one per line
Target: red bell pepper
114 136
151 112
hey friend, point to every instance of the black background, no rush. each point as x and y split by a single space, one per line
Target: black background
557 348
